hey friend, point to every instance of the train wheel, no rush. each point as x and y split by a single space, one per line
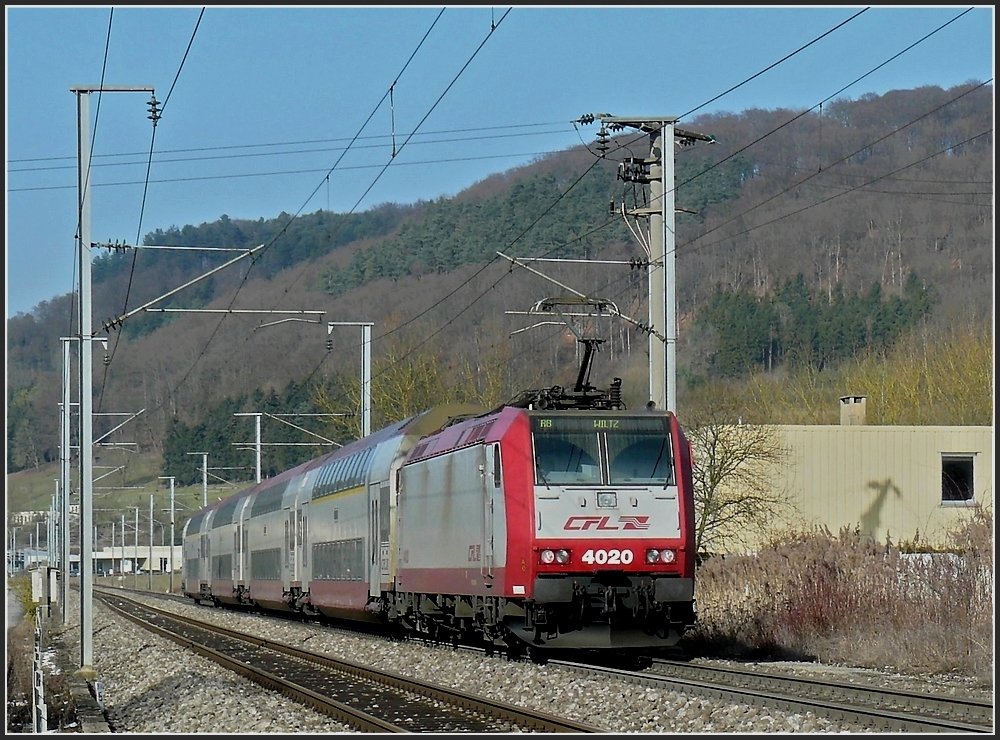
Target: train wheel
537 655
515 651
640 663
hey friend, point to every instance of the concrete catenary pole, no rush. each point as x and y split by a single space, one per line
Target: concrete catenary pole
64 458
50 529
135 547
149 561
170 563
86 381
662 244
172 534
662 278
86 368
366 369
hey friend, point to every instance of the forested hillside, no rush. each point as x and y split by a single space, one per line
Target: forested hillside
803 242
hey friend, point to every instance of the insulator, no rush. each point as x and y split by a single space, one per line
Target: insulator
602 140
329 345
615 393
154 112
107 359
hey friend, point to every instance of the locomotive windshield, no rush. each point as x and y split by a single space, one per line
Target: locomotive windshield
567 457
590 450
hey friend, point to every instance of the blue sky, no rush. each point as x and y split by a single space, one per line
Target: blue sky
259 103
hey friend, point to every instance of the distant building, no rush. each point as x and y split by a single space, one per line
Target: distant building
107 561
20 518
128 560
893 482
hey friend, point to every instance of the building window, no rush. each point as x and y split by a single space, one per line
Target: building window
957 478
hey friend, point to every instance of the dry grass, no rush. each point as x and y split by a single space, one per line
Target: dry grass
842 599
20 654
20 670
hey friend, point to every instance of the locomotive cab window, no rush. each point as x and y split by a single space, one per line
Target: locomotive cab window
587 450
567 459
640 458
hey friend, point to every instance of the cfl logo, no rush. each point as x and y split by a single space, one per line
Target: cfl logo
604 523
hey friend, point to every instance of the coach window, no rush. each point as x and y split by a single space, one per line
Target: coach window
325 475
957 479
335 475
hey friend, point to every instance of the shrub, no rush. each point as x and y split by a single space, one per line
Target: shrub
847 599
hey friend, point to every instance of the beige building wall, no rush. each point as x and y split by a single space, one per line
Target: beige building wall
886 480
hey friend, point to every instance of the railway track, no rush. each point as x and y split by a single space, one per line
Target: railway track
964 712
872 708
363 698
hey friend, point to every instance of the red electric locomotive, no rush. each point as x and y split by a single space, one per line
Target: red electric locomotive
557 522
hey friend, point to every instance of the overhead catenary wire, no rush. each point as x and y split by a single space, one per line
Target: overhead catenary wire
156 112
453 318
379 138
284 228
719 163
73 319
278 173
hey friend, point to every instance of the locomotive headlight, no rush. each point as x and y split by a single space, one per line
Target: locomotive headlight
660 556
607 499
547 556
562 557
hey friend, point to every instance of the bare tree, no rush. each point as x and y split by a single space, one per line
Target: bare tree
733 475
406 379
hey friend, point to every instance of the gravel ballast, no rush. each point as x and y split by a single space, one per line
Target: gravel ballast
152 685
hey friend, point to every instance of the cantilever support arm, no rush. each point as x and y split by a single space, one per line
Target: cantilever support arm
584 299
116 322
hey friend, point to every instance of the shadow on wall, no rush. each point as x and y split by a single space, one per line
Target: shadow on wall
872 516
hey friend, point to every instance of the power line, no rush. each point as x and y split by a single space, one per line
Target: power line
276 173
842 160
481 295
382 144
155 113
775 64
284 228
797 211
